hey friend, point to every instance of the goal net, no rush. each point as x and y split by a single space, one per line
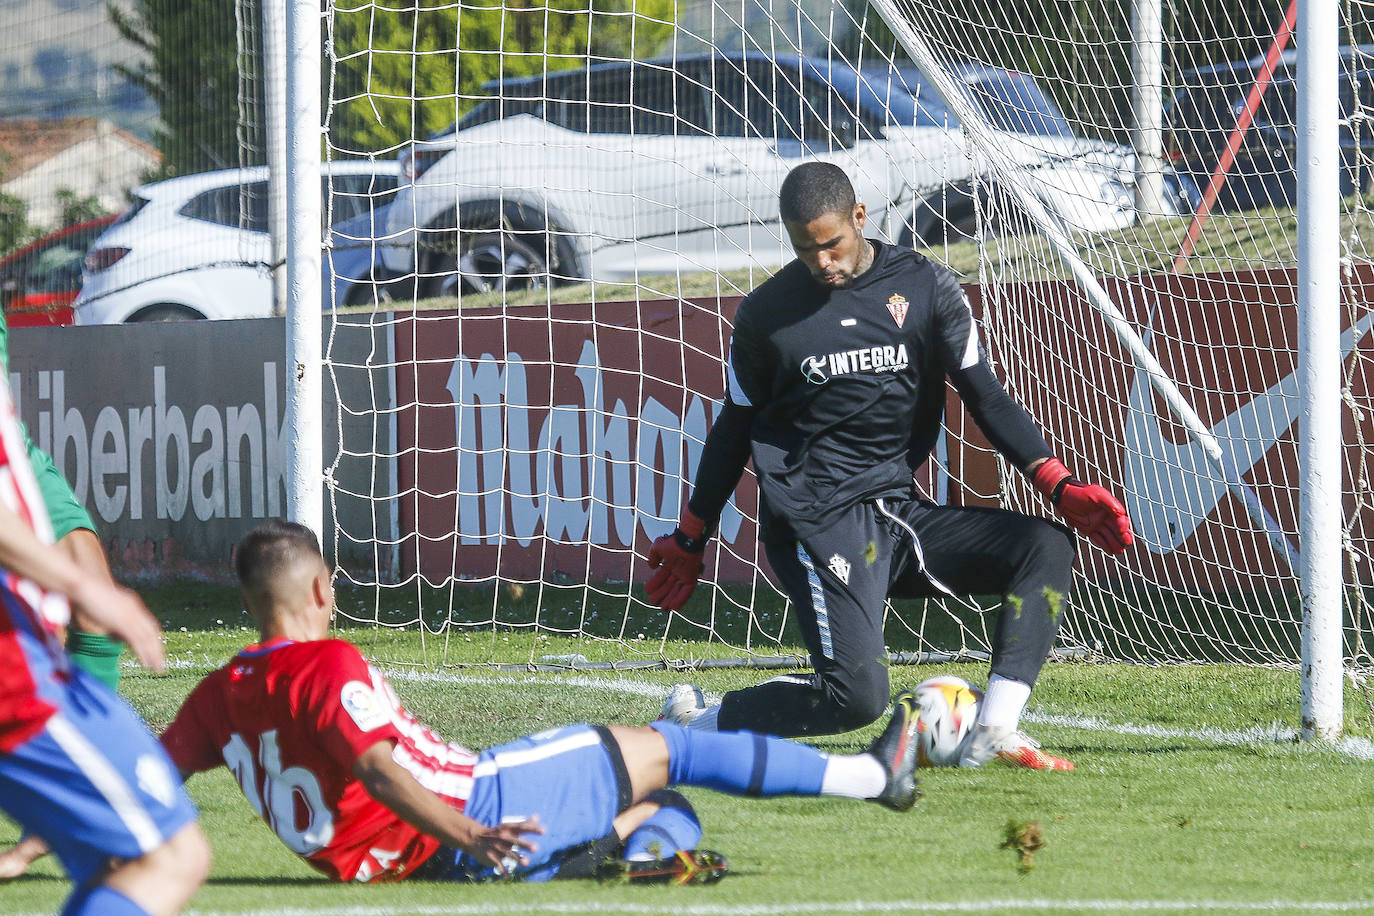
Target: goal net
533 346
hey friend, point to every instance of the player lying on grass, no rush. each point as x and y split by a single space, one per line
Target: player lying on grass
354 784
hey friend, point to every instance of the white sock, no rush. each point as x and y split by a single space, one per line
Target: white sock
706 720
853 776
1003 702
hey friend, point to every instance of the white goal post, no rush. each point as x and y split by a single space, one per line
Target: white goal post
1319 355
494 433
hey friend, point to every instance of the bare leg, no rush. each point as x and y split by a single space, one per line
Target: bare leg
646 759
165 880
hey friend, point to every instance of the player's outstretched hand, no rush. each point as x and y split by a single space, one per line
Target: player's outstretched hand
504 844
124 614
677 557
115 608
1090 509
17 859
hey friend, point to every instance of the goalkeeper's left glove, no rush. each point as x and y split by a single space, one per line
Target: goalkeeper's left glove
678 559
1090 509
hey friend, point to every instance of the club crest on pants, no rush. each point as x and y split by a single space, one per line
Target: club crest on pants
840 567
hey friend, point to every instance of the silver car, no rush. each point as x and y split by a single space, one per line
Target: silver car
626 169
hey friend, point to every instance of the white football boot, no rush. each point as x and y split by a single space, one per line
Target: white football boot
685 702
1010 747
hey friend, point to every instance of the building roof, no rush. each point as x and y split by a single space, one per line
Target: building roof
25 143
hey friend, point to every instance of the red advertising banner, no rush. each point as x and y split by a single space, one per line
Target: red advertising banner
549 441
554 441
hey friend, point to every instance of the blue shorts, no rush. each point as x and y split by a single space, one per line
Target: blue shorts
572 777
94 783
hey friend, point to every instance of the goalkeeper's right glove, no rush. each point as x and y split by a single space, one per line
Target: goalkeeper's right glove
1090 509
678 559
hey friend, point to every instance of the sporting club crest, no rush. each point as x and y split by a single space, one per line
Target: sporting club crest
897 306
840 567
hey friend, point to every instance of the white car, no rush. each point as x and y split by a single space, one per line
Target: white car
631 168
198 247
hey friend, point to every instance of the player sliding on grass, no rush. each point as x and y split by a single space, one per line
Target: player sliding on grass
836 385
354 784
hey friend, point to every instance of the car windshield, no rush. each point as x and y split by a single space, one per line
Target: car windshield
57 269
886 96
1009 101
906 96
1212 99
1013 102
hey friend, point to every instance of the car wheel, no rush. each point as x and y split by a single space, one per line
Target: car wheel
498 262
497 247
964 228
951 218
374 291
165 312
486 262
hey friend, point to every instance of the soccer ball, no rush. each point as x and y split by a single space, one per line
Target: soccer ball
948 708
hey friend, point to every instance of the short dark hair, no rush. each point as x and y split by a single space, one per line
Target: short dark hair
273 546
814 189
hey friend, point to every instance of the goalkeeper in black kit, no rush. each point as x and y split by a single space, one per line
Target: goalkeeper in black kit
836 388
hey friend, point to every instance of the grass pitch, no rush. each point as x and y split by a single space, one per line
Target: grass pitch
1190 795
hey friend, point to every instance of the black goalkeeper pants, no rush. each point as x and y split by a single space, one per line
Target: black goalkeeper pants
906 548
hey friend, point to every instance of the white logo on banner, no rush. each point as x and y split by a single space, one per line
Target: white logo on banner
589 472
1172 488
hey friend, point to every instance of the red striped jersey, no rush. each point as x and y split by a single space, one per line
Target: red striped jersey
290 719
32 662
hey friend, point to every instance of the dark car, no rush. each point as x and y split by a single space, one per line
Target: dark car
39 281
1205 110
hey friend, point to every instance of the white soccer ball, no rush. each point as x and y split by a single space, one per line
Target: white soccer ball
948 708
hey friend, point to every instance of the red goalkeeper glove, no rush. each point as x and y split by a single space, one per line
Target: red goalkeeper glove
678 559
1090 509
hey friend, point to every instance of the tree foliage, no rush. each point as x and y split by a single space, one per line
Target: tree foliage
385 95
1080 50
190 69
76 209
394 69
15 230
400 69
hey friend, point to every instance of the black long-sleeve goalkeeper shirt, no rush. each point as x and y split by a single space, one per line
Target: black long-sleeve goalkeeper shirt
839 393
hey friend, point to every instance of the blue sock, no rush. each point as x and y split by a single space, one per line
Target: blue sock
741 763
101 900
672 827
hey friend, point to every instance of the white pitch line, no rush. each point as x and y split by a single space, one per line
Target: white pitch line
1361 749
1274 733
611 685
1357 748
601 907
